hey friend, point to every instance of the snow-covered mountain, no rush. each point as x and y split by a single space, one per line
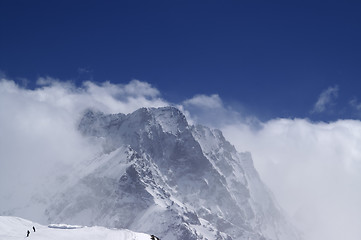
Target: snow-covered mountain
158 174
13 228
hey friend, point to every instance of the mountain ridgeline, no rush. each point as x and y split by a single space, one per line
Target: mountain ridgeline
158 174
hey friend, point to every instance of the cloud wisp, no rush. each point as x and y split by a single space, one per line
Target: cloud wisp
356 106
204 101
326 99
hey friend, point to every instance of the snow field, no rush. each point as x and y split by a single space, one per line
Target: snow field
14 228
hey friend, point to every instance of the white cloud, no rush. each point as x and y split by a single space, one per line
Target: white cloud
204 101
313 169
325 99
38 127
114 98
210 110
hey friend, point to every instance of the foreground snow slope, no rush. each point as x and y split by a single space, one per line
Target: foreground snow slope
12 228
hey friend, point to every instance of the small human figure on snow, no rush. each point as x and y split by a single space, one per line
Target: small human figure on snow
27 235
34 228
152 237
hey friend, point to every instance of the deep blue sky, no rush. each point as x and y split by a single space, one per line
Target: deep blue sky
273 59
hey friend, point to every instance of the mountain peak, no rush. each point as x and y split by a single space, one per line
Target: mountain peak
169 119
158 174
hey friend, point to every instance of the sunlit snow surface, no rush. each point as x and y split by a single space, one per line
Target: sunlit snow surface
12 228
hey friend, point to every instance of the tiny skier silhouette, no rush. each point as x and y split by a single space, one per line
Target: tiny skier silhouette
34 228
27 235
152 237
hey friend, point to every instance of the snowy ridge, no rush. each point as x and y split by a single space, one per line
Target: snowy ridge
12 228
157 174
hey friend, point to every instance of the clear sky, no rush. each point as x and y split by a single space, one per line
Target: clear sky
268 59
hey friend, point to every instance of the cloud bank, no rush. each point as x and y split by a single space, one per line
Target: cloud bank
39 128
313 169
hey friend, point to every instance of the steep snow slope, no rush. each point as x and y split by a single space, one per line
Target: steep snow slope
12 228
245 185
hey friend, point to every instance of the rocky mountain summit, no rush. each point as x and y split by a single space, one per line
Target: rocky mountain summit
158 174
